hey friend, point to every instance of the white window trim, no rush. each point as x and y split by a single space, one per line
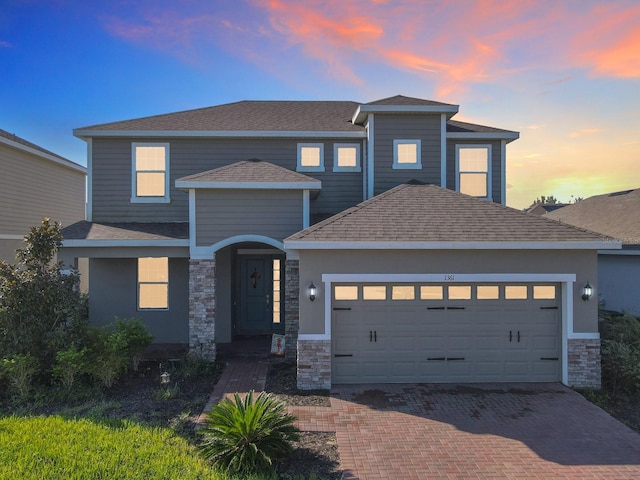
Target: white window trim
139 283
319 168
407 166
134 194
336 167
488 172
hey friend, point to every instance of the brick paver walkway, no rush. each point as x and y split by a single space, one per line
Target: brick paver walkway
500 431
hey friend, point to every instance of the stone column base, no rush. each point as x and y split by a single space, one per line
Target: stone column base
202 308
584 369
314 364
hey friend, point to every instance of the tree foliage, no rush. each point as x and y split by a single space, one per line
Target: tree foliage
41 308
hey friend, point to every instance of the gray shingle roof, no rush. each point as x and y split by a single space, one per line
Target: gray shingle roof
84 230
614 214
406 101
427 213
250 171
298 116
454 126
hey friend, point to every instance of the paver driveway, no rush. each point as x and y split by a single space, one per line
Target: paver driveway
484 431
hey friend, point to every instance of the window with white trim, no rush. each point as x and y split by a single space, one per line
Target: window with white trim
346 157
311 157
407 154
153 283
150 172
473 170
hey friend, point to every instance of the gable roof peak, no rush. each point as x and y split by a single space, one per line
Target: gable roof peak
404 100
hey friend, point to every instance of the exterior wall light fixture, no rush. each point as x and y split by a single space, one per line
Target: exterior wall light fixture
587 291
312 292
165 378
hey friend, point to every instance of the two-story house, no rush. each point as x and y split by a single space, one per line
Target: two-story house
35 183
373 235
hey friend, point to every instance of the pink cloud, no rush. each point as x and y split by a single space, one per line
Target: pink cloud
585 131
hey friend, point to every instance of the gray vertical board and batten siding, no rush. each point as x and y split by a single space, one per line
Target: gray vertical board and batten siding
116 280
112 174
222 214
390 127
496 164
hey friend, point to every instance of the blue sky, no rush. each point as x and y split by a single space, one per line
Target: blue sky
565 74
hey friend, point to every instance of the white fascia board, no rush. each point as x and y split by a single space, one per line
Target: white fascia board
508 136
363 110
218 133
124 243
60 161
583 336
373 245
619 252
448 278
251 185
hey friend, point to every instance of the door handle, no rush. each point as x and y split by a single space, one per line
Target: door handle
510 335
518 336
371 335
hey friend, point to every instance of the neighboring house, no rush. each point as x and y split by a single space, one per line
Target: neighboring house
616 215
349 227
542 208
35 183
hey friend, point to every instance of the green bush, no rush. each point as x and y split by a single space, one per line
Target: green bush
621 353
136 338
247 437
70 364
19 371
54 448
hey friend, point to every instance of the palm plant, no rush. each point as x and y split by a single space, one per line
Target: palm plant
247 436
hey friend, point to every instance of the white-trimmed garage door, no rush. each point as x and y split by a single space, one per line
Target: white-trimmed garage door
403 333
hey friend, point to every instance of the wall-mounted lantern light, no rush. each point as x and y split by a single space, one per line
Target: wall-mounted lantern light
165 378
312 292
587 291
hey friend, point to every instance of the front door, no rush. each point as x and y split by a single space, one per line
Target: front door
259 296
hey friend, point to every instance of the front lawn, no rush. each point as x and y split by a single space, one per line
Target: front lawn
57 448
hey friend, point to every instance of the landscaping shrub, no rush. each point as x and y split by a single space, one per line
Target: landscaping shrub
70 364
621 353
244 436
136 338
18 372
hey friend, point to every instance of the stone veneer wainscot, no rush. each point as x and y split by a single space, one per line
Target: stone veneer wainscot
584 368
314 364
202 308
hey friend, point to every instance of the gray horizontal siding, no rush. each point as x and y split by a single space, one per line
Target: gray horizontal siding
496 179
117 278
32 188
388 128
221 214
112 174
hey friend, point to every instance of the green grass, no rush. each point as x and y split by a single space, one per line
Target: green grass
56 448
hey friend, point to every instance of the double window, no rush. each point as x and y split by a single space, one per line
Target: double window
473 170
150 173
153 283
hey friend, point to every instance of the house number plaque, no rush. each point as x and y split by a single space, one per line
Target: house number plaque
449 277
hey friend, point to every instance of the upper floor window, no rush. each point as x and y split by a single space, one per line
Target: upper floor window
346 157
153 283
150 172
407 154
311 157
473 170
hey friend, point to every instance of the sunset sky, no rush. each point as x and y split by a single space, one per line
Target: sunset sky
565 74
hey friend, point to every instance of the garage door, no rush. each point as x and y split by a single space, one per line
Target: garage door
403 333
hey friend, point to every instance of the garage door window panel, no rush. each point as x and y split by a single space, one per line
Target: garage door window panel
544 292
431 292
403 292
374 292
459 292
345 292
487 292
515 292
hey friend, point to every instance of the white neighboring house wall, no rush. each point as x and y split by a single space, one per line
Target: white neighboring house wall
35 184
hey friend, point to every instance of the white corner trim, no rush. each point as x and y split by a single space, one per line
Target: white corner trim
190 184
370 155
566 301
89 213
305 209
193 231
503 172
443 151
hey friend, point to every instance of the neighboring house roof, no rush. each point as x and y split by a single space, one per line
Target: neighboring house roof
614 214
542 208
256 116
427 216
144 232
250 174
15 141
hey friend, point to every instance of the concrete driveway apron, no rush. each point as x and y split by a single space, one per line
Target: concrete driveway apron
514 431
